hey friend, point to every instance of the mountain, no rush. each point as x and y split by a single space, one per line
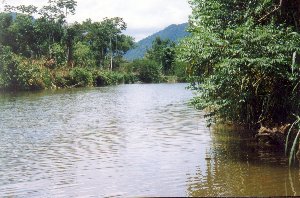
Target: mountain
172 32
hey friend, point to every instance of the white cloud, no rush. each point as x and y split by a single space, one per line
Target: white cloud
143 17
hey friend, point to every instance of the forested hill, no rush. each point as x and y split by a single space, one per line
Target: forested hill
172 32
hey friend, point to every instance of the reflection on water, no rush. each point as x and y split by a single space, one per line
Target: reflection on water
238 167
130 140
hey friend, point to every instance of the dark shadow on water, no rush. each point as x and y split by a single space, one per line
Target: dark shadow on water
236 166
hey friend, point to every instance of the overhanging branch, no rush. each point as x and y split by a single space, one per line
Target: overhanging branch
271 12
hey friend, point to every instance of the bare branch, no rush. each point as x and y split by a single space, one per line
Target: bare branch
271 12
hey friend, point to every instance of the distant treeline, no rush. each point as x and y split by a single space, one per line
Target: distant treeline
45 51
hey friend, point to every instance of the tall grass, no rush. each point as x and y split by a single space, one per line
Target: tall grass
295 141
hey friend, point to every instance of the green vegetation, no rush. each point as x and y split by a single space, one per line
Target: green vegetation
162 52
295 142
159 64
245 59
173 32
149 71
45 52
19 73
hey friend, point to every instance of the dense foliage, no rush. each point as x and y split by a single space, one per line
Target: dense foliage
148 71
45 52
241 53
159 64
19 73
54 39
162 52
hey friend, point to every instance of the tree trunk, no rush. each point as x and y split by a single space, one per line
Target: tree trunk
111 55
70 61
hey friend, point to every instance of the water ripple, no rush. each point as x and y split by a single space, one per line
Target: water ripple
131 140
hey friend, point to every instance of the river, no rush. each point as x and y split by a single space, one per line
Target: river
129 141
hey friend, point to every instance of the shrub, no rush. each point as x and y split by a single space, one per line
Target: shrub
148 71
59 55
104 78
180 71
31 75
243 66
7 67
115 78
130 78
83 55
62 81
17 73
81 77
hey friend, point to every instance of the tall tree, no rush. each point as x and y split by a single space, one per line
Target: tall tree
114 27
241 53
163 52
48 35
106 38
68 5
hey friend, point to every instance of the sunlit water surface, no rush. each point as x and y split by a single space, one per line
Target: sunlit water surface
129 140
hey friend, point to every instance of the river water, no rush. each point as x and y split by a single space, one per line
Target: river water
129 141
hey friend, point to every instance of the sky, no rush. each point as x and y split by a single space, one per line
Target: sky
143 17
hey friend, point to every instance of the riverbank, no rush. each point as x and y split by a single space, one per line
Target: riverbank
19 74
283 138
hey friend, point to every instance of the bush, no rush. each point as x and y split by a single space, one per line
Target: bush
148 71
31 75
180 71
246 75
104 78
17 73
115 78
61 81
59 55
81 77
126 67
7 66
83 55
130 78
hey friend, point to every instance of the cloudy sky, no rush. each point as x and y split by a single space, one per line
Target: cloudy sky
143 17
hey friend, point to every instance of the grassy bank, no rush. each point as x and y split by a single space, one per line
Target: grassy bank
18 73
22 74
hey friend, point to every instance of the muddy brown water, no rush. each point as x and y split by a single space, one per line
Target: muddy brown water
128 141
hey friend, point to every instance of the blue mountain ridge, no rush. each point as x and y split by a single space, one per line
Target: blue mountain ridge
172 32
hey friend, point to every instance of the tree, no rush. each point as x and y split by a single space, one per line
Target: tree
69 39
113 27
83 55
23 34
68 5
6 21
27 10
58 9
48 35
149 71
241 54
163 52
106 39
